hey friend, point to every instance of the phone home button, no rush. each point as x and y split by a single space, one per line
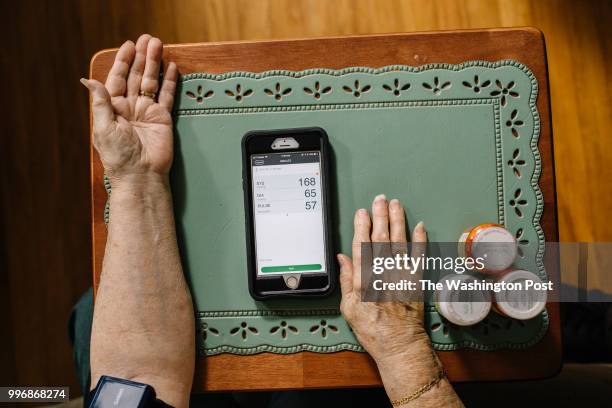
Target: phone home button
292 281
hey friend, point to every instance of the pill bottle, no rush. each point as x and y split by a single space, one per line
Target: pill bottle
463 308
492 244
520 304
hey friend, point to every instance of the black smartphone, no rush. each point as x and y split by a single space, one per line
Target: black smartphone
286 199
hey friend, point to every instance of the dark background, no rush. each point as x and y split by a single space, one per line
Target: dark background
45 231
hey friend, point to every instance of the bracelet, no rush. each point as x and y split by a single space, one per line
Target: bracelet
439 376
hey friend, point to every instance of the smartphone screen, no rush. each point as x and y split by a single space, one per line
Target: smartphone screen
288 207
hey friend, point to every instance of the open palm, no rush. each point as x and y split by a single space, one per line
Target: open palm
133 130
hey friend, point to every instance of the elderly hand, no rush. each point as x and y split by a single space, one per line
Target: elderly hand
132 129
143 326
386 330
392 332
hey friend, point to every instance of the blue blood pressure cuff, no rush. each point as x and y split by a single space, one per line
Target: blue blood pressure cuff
111 392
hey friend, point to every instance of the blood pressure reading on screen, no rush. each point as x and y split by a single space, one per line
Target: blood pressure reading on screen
310 192
288 214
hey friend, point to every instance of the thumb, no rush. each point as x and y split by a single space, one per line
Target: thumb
346 274
101 107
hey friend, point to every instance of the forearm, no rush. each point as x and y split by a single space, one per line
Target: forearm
143 321
404 375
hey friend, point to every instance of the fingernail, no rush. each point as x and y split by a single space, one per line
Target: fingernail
420 227
85 82
380 197
362 211
394 203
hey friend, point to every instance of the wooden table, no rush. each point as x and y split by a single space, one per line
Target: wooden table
352 369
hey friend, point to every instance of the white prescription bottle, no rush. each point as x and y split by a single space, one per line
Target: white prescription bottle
521 304
490 244
463 308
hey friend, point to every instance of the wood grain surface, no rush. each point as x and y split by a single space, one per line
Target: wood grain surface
307 370
44 149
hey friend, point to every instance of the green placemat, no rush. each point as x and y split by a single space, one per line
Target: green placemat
456 143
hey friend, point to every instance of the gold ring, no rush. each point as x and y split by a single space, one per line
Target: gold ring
151 95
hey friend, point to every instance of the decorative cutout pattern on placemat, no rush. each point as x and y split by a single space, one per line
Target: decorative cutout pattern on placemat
507 87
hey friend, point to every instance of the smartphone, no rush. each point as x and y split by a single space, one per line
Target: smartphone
286 198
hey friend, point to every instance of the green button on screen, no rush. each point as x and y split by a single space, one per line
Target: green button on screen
291 268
